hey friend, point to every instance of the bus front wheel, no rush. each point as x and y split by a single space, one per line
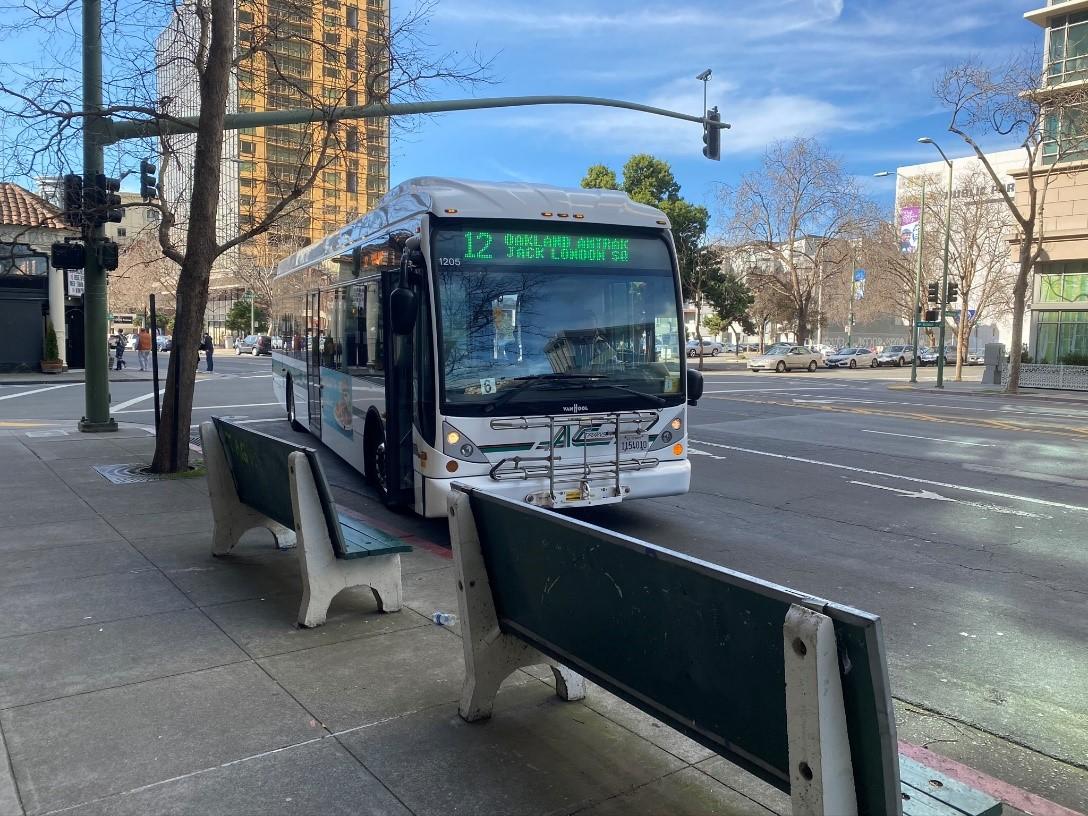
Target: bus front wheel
375 464
295 424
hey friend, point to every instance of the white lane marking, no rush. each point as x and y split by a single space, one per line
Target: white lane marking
118 408
1004 409
930 438
254 421
199 407
804 388
695 452
914 479
39 390
929 494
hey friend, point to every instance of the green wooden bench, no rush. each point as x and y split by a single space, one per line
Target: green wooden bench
257 480
792 688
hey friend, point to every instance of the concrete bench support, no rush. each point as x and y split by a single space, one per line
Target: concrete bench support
821 772
490 655
323 574
230 516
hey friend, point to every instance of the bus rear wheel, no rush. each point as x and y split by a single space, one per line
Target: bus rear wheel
375 463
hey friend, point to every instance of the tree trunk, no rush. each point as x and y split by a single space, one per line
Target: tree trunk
172 442
802 323
961 333
1019 299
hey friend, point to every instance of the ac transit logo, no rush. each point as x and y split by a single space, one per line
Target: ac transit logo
575 409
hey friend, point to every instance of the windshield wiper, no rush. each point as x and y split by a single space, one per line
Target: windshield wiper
530 381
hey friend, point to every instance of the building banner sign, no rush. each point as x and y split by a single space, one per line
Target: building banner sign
910 221
75 282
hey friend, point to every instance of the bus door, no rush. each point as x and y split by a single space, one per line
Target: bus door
400 466
313 362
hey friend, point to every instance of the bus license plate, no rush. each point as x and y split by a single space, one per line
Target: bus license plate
634 443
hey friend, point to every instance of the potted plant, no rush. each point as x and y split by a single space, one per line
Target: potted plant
51 364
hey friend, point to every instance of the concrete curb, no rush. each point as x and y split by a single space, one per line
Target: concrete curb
990 392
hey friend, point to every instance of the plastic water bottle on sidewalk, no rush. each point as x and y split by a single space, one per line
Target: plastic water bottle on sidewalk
444 618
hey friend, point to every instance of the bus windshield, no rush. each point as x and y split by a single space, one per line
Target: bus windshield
537 322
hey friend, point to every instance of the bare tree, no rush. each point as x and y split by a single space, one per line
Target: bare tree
142 270
799 209
168 58
1007 101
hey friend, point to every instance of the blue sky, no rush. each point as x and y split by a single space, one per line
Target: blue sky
857 74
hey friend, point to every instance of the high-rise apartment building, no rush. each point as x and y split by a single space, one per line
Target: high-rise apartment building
289 54
1059 303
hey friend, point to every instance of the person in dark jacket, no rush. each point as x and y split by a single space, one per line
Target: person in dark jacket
208 346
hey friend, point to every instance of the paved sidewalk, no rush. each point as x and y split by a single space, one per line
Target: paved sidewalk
138 675
982 389
77 375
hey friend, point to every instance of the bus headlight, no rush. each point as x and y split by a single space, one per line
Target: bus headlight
459 446
676 424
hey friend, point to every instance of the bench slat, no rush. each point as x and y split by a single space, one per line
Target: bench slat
958 797
361 540
916 803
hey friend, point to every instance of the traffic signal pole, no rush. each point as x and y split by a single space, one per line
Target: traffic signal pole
918 286
96 392
944 279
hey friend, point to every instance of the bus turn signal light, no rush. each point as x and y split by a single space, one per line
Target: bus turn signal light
677 449
451 466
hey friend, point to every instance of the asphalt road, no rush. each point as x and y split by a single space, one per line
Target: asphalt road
961 520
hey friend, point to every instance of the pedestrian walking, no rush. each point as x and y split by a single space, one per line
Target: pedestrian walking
143 348
209 349
117 343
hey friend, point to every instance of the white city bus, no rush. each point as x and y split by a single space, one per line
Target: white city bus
518 337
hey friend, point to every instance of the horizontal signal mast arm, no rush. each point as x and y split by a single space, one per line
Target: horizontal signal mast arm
116 131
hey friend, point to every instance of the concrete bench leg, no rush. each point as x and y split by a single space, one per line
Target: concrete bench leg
821 772
323 574
490 655
232 518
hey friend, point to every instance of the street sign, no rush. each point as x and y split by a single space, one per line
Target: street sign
928 324
75 282
953 313
971 314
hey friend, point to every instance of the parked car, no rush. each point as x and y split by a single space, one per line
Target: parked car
130 343
167 344
976 357
895 355
163 342
851 357
711 348
254 344
928 356
785 357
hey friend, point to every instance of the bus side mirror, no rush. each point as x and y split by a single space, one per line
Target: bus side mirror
402 310
695 386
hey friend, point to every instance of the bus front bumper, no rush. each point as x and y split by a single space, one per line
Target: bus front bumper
670 478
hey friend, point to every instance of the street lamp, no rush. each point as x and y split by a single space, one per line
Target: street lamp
944 274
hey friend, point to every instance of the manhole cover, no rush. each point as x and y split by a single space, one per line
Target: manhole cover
129 474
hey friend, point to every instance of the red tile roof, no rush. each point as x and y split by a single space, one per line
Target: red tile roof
21 208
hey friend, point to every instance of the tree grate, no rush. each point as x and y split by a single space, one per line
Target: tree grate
130 474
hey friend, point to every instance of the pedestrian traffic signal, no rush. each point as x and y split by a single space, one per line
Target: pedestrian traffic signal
148 184
104 203
933 292
66 256
73 200
108 255
712 135
933 315
953 292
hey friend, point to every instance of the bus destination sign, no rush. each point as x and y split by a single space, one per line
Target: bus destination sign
549 248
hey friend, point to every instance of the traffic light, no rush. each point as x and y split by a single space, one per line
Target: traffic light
933 292
953 292
933 315
148 184
66 256
107 255
712 135
103 201
73 201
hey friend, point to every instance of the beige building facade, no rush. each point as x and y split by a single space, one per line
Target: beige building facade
1058 331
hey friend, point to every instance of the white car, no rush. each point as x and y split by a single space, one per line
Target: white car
852 357
784 357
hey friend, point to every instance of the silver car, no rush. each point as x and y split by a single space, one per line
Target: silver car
784 357
895 355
